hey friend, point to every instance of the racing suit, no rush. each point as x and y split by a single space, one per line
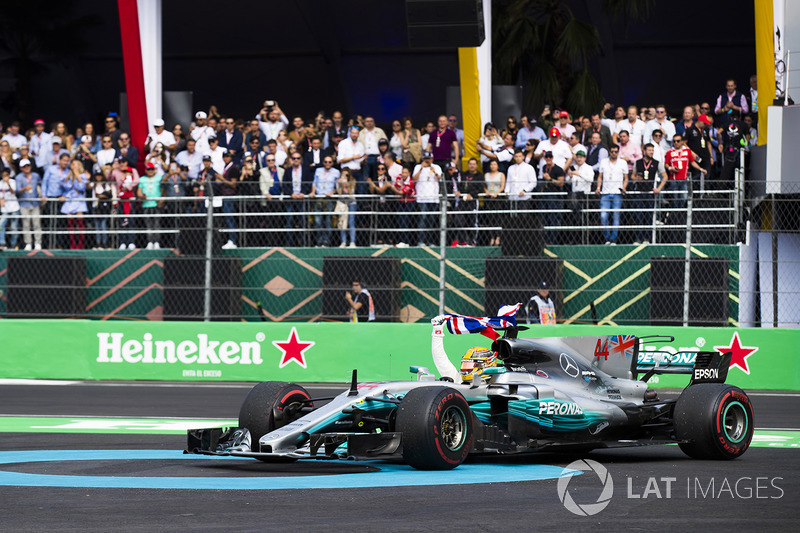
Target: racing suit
444 366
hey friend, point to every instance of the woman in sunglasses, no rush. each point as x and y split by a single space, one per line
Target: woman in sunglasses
511 127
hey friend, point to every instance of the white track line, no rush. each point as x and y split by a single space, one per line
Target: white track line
38 382
185 385
120 417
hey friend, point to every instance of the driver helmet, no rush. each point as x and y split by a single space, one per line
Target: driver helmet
475 361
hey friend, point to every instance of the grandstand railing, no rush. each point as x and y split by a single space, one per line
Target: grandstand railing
372 220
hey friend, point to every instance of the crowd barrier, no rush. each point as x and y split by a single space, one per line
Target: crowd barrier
328 352
253 221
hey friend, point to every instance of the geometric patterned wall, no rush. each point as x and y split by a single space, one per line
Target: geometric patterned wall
126 284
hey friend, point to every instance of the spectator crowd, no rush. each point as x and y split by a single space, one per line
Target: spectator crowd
273 177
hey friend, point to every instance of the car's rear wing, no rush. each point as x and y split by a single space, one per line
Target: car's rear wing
703 366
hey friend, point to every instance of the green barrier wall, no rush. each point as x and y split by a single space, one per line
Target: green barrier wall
325 352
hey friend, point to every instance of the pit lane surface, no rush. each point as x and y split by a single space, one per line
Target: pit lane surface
760 490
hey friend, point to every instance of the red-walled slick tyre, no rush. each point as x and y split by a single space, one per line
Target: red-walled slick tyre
715 420
437 428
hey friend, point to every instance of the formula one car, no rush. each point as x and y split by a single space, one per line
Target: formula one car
571 393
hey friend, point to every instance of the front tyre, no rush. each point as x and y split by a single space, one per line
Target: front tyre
437 428
271 405
715 419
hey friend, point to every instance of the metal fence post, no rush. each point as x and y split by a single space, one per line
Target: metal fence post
209 251
442 242
687 264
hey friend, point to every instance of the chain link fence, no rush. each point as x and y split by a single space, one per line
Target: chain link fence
712 256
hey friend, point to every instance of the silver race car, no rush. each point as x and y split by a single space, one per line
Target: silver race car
522 395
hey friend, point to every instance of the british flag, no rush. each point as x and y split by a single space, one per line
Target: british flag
462 325
622 343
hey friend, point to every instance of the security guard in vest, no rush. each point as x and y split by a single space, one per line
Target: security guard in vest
540 308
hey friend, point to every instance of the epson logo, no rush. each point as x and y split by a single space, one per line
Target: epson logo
706 373
113 349
559 408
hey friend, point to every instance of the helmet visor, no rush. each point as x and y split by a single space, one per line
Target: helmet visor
468 366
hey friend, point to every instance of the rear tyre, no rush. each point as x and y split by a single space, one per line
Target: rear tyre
437 428
269 406
715 419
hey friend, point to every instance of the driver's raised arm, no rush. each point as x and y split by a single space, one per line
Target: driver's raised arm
443 364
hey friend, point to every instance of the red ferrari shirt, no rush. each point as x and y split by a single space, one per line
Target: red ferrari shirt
680 159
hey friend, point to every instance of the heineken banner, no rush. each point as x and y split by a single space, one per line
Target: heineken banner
328 352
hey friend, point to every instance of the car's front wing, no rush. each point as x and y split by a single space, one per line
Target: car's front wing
351 446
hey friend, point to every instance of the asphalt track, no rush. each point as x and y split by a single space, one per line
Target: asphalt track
761 490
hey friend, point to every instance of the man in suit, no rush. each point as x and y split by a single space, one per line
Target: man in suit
296 185
231 139
315 154
595 152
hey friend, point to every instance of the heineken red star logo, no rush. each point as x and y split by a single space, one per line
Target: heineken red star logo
739 353
293 349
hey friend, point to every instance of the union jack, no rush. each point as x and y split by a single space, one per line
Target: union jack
462 325
622 343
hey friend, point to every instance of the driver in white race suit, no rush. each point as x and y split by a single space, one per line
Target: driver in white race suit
473 363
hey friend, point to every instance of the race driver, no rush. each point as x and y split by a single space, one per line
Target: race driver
473 363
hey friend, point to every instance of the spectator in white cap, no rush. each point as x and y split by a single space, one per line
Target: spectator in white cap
201 132
161 135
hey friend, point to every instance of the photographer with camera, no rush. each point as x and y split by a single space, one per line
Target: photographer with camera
271 119
84 153
159 157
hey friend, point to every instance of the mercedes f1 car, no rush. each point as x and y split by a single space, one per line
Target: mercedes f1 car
570 393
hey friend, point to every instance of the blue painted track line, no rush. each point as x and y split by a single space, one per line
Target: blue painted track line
390 475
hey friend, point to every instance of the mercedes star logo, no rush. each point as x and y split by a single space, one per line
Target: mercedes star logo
569 366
